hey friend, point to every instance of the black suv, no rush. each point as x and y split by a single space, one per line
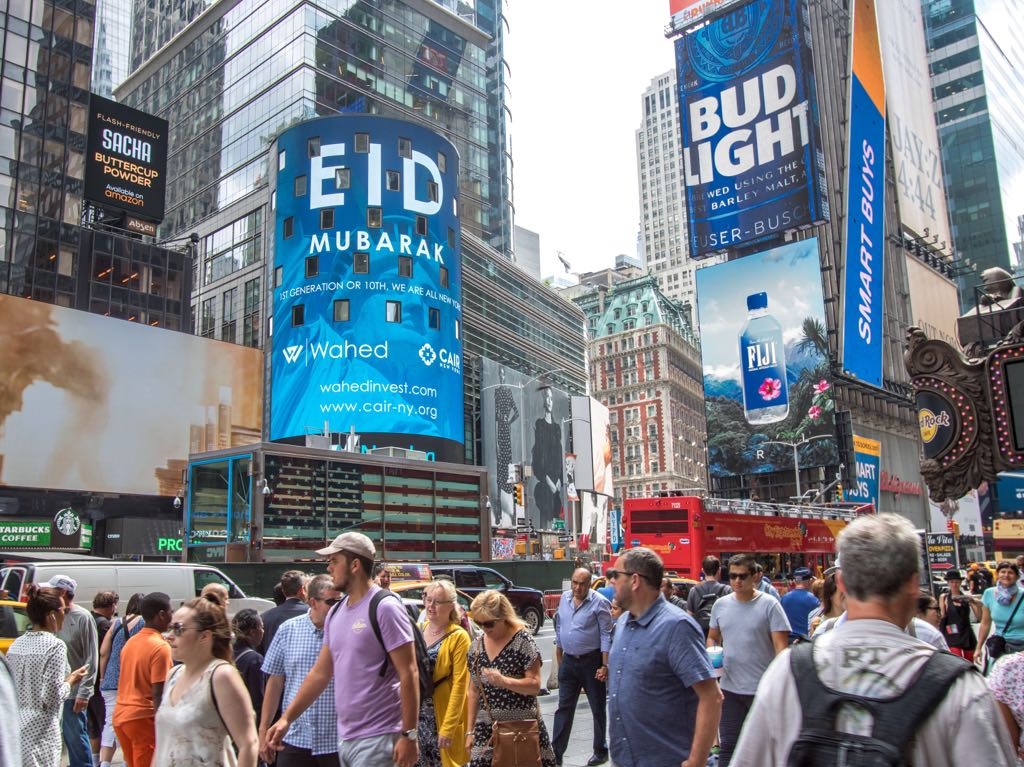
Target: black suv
528 603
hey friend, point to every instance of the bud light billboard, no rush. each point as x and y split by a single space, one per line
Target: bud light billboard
764 351
752 154
368 285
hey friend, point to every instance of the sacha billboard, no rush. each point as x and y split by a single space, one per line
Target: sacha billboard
367 290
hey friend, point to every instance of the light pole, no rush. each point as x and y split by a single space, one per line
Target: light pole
796 454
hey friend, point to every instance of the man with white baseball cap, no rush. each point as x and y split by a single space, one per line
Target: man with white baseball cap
381 730
79 634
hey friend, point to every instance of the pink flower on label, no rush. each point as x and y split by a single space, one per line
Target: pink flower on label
814 412
822 386
770 389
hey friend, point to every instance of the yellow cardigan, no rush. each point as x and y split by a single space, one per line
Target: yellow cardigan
451 681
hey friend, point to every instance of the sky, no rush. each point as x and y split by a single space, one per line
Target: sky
577 73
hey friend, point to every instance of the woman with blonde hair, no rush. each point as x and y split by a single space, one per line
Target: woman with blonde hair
442 727
205 705
504 665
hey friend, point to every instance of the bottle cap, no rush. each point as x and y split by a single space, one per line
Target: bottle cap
757 301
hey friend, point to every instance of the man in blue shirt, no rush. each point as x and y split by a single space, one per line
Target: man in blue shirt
799 602
582 640
663 699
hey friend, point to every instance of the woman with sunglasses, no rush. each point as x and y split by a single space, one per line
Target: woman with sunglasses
442 733
205 705
39 668
505 673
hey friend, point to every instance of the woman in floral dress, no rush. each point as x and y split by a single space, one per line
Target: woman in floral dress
504 665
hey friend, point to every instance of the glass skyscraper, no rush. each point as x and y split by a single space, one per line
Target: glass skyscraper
977 71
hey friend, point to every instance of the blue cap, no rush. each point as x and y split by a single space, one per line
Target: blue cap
802 573
757 301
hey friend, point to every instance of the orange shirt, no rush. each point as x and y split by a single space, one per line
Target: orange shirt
145 661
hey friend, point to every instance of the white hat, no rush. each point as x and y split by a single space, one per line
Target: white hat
63 582
351 543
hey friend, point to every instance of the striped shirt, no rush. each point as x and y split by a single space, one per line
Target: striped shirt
292 654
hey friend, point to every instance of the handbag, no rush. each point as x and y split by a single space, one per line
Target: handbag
515 742
995 645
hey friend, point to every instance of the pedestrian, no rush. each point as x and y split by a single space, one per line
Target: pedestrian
504 665
980 578
582 641
104 608
799 603
10 731
79 633
664 700
704 595
1006 681
312 739
442 729
928 608
111 647
379 729
833 603
764 583
752 628
669 590
1000 614
42 679
145 661
293 586
956 610
247 629
382 575
869 655
218 588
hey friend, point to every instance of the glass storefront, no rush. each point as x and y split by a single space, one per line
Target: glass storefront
219 518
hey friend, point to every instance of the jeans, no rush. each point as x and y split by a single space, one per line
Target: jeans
735 708
76 736
576 673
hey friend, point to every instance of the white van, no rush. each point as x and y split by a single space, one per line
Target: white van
179 581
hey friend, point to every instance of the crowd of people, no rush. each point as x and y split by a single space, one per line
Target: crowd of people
339 674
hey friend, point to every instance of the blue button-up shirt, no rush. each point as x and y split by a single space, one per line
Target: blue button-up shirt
586 628
652 709
291 654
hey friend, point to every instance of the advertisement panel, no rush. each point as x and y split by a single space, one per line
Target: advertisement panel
865 207
811 536
910 114
686 13
126 159
1011 491
368 295
942 553
868 453
523 424
752 154
933 301
765 358
592 441
102 405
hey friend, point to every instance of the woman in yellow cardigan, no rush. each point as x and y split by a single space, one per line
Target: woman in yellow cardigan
442 728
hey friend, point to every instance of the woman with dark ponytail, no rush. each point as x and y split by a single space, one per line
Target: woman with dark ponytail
205 704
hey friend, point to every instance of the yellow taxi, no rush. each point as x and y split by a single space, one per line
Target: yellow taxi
13 622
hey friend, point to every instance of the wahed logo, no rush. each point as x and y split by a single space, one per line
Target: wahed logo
427 354
291 353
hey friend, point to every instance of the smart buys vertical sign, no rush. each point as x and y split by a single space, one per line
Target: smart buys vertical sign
865 207
367 301
868 454
751 146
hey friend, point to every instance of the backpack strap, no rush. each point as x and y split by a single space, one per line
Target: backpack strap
375 601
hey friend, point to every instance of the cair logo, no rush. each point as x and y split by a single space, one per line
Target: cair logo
930 423
291 353
427 354
447 360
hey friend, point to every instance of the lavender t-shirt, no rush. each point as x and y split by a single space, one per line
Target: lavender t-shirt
367 703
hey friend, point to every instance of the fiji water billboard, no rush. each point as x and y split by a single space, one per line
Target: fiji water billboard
764 349
367 296
752 154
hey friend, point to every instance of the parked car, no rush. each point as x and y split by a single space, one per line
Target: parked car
473 579
13 622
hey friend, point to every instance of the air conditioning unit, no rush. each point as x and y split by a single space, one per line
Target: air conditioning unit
400 452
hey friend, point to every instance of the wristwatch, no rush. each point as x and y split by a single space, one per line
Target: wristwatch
410 734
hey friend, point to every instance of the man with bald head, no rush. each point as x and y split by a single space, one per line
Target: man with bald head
583 628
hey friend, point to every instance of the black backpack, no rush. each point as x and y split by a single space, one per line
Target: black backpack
894 721
706 598
423 662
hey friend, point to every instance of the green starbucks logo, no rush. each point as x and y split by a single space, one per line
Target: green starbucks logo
67 521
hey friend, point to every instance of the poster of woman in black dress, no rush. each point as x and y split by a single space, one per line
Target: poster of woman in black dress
505 414
547 462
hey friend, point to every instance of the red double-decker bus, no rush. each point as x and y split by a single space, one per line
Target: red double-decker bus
684 529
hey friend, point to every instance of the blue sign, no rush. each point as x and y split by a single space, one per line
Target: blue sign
615 527
751 145
868 456
367 296
1011 492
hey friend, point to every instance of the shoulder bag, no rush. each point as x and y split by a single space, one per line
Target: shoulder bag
516 742
995 645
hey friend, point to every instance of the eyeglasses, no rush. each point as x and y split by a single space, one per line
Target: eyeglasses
739 576
429 602
613 573
330 601
177 629
580 583
486 624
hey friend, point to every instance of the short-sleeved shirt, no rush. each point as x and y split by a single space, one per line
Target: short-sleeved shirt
145 661
747 638
358 658
798 604
654 662
1001 614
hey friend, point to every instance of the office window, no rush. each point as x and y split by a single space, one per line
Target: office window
281 160
341 310
362 143
298 315
313 147
312 266
374 218
300 186
434 318
458 329
393 311
361 263
327 218
405 147
342 178
451 237
394 180
421 225
278 276
289 227
432 191
405 266
442 162
444 276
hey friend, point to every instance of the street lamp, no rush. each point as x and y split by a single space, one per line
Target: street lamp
796 455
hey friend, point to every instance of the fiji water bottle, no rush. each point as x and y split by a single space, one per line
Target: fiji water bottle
763 362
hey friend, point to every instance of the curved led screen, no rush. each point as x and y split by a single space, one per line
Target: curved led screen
368 285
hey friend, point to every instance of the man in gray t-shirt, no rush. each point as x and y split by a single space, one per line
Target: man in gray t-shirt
753 628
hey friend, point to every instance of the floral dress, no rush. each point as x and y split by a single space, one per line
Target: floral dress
514 659
39 666
1006 680
191 732
430 752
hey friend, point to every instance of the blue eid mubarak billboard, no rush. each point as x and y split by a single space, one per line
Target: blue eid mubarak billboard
368 285
751 145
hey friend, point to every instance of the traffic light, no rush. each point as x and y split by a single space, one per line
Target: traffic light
839 493
519 494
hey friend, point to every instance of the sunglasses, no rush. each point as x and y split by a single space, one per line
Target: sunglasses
612 574
177 629
739 576
330 601
487 624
